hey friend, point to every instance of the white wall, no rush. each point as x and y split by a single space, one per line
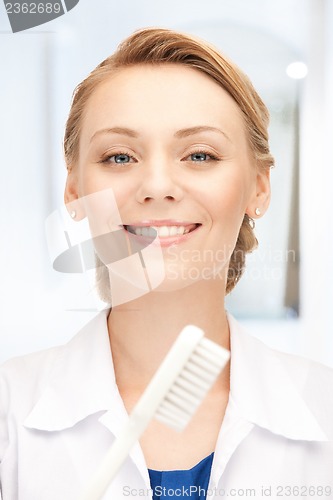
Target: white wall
39 71
316 186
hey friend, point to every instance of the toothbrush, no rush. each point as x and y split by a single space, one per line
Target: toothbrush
173 395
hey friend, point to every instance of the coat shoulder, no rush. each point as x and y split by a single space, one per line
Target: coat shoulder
314 382
28 368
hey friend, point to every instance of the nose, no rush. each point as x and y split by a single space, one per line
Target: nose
159 181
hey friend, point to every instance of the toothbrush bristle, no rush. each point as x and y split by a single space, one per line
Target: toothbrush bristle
192 384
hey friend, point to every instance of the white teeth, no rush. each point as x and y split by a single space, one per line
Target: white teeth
161 231
173 231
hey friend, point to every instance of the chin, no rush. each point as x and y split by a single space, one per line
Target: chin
178 278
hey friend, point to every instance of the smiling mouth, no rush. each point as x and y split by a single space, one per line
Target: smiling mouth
161 231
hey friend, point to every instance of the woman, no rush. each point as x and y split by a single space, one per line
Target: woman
166 146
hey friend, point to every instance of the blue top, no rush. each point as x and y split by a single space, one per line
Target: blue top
191 483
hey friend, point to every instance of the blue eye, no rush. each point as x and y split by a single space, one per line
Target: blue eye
121 158
199 156
203 157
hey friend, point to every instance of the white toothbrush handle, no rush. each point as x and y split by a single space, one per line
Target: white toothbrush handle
139 419
145 409
115 457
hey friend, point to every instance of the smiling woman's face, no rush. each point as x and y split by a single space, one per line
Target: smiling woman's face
172 146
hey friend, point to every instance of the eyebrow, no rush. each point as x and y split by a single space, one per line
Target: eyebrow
115 130
180 134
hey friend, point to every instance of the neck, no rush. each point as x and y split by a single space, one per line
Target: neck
143 330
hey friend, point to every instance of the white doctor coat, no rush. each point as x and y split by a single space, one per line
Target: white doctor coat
60 411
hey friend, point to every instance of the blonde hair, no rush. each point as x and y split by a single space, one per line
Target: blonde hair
159 46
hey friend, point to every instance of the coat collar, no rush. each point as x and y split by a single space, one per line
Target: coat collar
266 387
82 383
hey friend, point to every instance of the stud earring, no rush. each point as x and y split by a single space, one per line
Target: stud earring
257 211
73 214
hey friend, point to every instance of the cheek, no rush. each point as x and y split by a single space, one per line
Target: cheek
119 190
226 198
92 181
104 200
226 206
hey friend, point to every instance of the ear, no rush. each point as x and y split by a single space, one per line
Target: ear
262 194
71 196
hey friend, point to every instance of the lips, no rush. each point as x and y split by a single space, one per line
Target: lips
162 231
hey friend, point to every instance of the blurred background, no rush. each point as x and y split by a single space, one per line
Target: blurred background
286 47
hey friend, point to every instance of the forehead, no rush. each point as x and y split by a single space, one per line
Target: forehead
161 97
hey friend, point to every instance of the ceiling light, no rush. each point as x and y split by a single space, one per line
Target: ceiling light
297 70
